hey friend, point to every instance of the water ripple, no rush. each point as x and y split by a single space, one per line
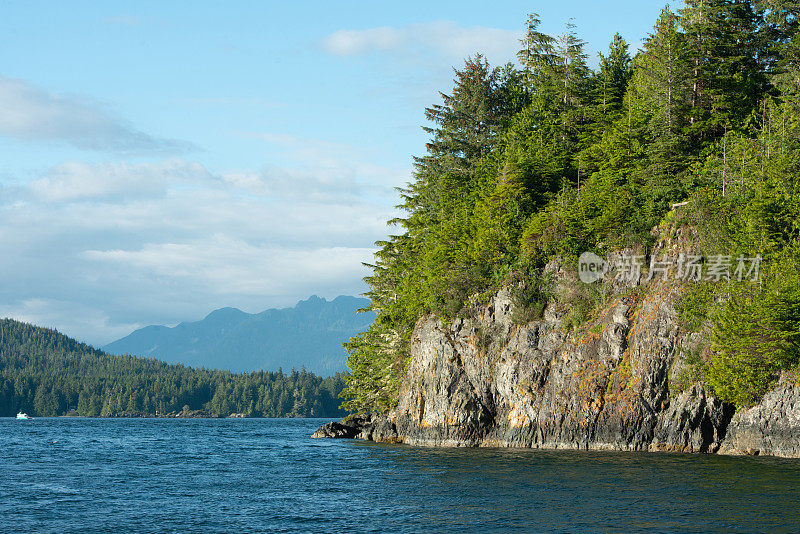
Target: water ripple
95 475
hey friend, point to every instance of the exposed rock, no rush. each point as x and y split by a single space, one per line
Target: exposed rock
349 428
481 380
770 427
694 422
381 429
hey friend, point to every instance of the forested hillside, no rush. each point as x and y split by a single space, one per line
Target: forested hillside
45 373
548 158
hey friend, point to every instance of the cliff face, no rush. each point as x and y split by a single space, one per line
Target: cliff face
484 381
771 427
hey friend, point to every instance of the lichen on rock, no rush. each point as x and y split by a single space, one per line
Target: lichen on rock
482 380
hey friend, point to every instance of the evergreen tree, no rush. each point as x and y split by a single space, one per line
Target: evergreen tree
663 86
468 121
615 73
537 55
727 76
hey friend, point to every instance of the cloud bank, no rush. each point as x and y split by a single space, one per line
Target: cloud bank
100 249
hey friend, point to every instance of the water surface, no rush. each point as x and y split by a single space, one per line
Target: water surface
267 475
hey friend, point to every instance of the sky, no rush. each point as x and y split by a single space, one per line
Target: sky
159 160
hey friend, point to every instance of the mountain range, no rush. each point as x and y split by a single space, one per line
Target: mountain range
308 335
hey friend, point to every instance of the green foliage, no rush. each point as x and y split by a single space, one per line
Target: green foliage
755 335
531 292
46 373
377 361
697 300
709 214
582 302
551 160
615 74
692 371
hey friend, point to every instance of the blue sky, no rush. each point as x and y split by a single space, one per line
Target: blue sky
162 159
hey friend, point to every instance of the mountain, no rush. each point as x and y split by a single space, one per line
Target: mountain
308 335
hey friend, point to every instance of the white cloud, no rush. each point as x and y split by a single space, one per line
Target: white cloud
99 249
29 113
445 38
230 267
74 319
324 171
357 42
332 183
75 180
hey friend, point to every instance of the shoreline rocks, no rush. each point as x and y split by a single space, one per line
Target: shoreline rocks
482 381
348 428
772 427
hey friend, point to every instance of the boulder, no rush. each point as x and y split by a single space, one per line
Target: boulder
349 428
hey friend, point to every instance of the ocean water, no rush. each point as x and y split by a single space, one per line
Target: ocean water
267 475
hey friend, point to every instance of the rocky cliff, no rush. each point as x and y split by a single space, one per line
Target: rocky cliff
484 381
772 427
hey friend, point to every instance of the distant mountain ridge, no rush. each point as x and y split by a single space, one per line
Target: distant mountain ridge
308 335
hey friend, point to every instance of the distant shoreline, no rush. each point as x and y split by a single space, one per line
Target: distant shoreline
153 416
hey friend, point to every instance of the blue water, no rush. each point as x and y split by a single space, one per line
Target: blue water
267 475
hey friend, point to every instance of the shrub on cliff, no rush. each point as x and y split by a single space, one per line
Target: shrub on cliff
755 336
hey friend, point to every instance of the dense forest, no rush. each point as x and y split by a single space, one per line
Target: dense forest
45 373
548 157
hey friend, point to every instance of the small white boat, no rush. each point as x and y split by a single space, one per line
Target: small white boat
22 415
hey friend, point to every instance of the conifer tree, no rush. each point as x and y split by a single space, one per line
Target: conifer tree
469 120
662 88
537 55
555 159
727 78
615 73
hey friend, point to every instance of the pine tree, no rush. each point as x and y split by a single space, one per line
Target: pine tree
469 120
615 73
727 72
537 55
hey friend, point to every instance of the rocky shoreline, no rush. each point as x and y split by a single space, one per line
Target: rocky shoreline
483 381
